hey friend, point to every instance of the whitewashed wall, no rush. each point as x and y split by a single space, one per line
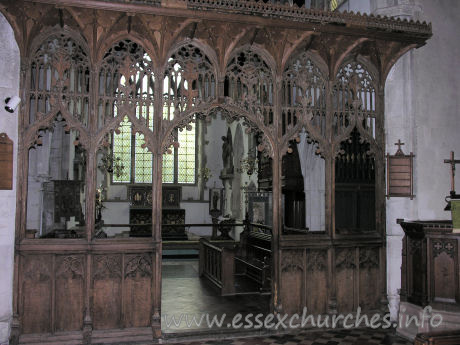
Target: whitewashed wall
422 109
9 86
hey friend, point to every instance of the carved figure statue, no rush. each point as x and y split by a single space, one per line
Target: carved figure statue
227 156
215 199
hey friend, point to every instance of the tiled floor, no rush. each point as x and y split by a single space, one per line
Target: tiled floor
337 337
183 293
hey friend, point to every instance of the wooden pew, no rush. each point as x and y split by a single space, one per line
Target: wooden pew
253 259
217 265
447 337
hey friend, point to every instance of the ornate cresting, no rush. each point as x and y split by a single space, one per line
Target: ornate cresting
96 65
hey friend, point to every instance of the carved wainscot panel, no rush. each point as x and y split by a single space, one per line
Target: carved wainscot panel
137 290
292 277
316 281
444 276
369 278
107 281
345 269
70 292
37 293
243 59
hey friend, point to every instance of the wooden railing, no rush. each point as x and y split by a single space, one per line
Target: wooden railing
217 264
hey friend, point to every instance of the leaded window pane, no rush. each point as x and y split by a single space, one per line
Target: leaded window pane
186 155
142 162
168 168
122 150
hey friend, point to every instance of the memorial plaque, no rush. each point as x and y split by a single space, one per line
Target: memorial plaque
6 162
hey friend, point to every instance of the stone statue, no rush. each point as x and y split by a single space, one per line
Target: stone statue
227 154
215 199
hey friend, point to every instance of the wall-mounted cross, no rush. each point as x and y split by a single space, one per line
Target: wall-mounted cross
452 163
399 144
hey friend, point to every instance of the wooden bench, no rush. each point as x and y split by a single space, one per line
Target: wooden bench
253 258
447 337
217 264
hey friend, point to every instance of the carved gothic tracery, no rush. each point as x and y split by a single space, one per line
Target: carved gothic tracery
138 266
59 75
249 85
273 65
345 259
444 246
354 101
70 266
292 261
316 260
126 84
107 267
304 96
369 258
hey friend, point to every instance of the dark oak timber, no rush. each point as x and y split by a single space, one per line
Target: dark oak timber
88 290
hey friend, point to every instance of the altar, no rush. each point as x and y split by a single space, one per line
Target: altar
140 213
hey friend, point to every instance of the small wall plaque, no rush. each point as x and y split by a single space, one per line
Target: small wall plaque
6 162
400 167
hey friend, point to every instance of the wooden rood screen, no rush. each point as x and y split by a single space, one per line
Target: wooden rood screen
94 70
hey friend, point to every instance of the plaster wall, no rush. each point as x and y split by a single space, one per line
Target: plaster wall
422 109
9 86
